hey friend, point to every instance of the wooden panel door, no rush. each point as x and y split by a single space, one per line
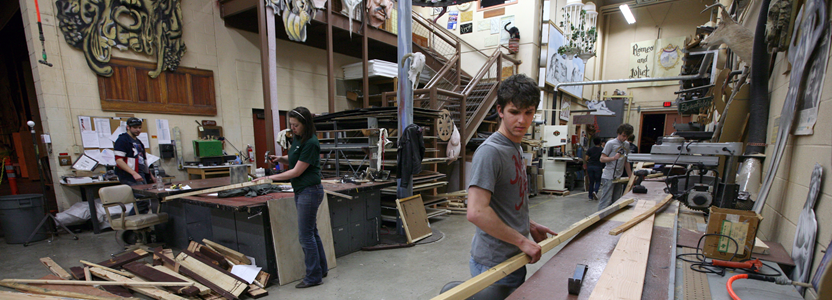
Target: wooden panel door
260 146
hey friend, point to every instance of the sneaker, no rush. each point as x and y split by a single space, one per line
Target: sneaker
595 196
303 284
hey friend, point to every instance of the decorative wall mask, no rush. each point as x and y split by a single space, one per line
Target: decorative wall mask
379 11
350 6
153 27
296 15
779 25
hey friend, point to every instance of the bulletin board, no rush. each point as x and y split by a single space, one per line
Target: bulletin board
89 123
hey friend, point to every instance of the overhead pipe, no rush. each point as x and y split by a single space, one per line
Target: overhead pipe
758 102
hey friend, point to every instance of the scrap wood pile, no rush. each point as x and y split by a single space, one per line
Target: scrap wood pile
457 202
203 271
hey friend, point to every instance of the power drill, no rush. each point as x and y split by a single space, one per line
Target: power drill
638 188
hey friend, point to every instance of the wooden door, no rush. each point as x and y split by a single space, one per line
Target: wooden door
260 145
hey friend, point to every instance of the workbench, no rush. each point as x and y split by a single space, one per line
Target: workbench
244 224
665 276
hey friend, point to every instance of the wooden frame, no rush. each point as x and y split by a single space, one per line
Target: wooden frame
414 218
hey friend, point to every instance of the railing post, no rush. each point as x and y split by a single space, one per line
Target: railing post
462 119
458 64
433 98
499 68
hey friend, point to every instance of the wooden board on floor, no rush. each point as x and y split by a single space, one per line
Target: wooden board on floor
414 218
225 282
126 258
151 292
623 278
288 252
236 257
26 296
55 268
203 290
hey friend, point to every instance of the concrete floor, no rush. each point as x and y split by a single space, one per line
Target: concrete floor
410 273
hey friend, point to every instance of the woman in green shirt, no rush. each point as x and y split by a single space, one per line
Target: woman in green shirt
305 175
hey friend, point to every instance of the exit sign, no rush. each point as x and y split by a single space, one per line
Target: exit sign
667 104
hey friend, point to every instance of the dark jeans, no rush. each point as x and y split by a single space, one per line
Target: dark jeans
143 205
307 202
594 176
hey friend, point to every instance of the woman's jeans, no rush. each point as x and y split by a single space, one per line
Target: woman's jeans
307 202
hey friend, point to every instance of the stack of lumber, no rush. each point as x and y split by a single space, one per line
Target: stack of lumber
457 202
203 271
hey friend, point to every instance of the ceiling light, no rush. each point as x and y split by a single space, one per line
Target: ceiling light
625 10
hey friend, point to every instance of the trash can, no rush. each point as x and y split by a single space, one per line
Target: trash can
19 215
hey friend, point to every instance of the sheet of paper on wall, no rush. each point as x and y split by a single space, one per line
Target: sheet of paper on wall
144 138
84 124
495 25
102 127
85 163
89 139
94 154
503 22
108 157
119 130
151 159
484 25
492 41
162 131
808 106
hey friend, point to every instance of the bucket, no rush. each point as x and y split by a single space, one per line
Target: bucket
19 215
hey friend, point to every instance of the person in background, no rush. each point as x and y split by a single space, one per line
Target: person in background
633 147
498 199
131 160
304 172
615 158
594 167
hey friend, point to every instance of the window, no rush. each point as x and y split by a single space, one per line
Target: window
491 4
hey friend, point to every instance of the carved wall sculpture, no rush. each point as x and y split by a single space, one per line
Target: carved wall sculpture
379 11
153 27
296 15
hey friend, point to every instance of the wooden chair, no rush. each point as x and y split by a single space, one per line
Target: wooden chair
141 224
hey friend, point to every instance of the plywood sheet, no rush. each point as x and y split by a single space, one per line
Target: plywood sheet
288 252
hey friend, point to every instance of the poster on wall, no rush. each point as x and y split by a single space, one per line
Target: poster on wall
466 16
465 28
495 25
560 68
484 25
564 108
655 59
808 107
453 18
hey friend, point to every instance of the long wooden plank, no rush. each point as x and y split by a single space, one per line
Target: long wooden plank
283 218
88 290
227 283
52 292
148 290
623 278
55 268
227 251
4 295
623 227
476 284
125 274
203 290
153 275
211 263
168 261
102 283
218 189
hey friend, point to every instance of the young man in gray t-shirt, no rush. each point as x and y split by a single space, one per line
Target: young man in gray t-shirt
498 199
615 158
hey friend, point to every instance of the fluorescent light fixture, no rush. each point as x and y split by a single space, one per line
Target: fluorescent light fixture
625 10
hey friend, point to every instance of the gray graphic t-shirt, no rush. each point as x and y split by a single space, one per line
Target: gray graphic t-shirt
615 146
498 167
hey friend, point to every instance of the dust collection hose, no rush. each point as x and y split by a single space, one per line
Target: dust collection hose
782 280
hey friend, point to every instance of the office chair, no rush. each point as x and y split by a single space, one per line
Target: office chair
141 224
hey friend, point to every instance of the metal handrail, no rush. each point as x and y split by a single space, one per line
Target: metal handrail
422 21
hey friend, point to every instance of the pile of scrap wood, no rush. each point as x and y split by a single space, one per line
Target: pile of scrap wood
457 202
203 271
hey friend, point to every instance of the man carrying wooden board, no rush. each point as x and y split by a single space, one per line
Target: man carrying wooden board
615 158
498 200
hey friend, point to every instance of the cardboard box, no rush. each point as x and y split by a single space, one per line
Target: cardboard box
741 225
